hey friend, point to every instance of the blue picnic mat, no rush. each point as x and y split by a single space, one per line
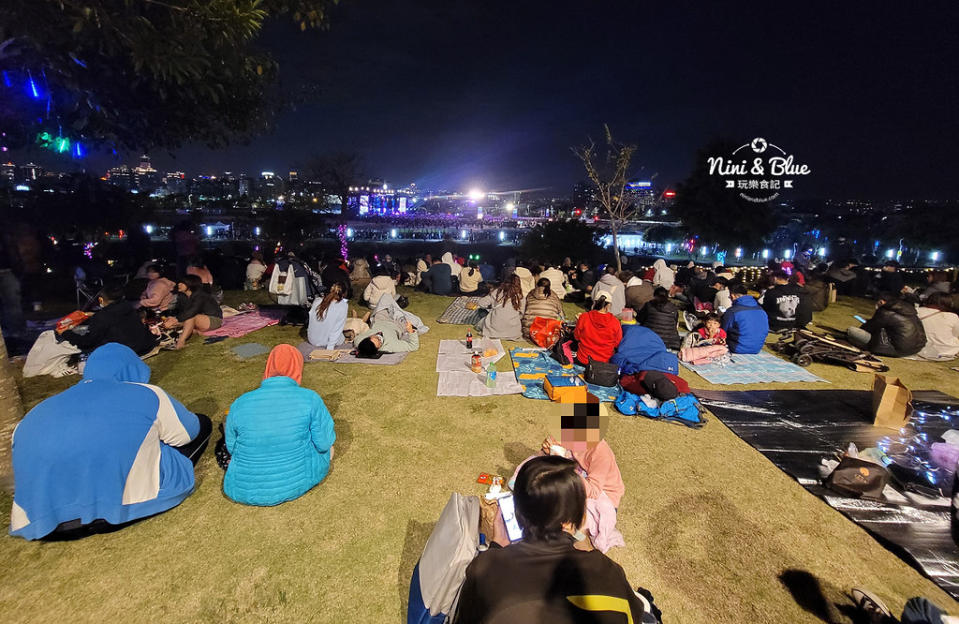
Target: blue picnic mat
753 368
532 365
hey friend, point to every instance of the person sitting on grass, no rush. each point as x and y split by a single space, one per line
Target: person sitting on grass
109 450
381 284
438 280
255 271
506 305
158 294
598 332
197 310
941 325
196 266
327 319
609 283
787 304
661 316
541 302
711 333
116 321
893 331
280 436
392 330
545 577
471 281
745 323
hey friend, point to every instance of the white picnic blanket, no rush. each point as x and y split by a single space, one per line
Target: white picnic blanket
453 356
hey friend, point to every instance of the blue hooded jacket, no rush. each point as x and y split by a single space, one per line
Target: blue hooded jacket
642 349
101 449
746 326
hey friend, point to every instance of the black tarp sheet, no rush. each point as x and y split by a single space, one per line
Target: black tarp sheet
796 429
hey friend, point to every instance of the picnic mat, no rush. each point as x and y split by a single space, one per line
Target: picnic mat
752 368
457 314
795 429
243 324
468 383
453 356
386 359
532 365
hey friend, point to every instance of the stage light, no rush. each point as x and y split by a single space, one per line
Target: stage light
349 232
393 233
148 229
765 254
822 252
462 233
890 253
669 247
739 252
502 235
787 253
476 194
934 256
510 205
256 230
209 230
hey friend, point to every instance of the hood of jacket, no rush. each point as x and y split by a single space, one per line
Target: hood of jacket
747 301
902 307
611 280
116 362
599 320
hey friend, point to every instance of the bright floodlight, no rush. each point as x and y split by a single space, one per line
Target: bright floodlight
502 236
765 254
349 232
209 230
462 233
935 256
393 233
476 194
148 228
739 252
822 252
510 205
787 253
256 230
890 253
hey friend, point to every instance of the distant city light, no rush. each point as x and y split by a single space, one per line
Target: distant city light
739 252
349 232
890 253
256 230
502 235
669 194
462 233
386 186
476 194
669 247
765 254
21 187
148 229
393 233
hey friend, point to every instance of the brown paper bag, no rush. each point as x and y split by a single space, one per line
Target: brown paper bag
891 402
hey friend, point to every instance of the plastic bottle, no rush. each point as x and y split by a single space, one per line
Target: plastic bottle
469 339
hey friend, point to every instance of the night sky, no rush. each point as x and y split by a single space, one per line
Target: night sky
454 94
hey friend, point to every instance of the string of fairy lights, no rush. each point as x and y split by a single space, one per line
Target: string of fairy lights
38 91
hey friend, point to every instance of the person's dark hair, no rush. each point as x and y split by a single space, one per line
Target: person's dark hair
939 301
738 289
712 316
154 268
511 290
891 263
624 276
112 292
544 283
335 294
472 266
602 302
722 281
548 493
193 282
779 275
257 255
887 296
366 348
661 295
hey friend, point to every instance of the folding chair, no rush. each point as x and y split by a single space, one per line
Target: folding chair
87 290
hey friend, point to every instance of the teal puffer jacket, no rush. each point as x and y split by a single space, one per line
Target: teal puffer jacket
279 436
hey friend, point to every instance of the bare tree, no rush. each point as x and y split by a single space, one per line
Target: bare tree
609 173
11 411
337 173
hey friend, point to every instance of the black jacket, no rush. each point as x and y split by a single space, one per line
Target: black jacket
118 322
788 306
891 282
541 582
583 279
896 330
200 302
662 319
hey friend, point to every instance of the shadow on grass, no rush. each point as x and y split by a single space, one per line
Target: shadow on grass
515 454
808 593
416 535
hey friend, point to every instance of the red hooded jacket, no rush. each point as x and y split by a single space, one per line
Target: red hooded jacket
598 333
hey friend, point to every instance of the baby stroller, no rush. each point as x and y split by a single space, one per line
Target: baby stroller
806 346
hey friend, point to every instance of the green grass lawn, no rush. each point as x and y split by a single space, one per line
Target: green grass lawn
711 526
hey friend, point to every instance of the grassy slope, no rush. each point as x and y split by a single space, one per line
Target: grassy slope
711 526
